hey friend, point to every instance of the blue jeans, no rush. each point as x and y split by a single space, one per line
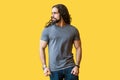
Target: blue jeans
64 74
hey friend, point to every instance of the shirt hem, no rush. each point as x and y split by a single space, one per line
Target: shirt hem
62 68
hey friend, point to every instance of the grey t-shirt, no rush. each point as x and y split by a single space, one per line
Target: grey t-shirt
60 42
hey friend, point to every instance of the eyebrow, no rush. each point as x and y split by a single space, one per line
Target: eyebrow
54 12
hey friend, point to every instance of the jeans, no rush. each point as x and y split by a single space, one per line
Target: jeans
64 74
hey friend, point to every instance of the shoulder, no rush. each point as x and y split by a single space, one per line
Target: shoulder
47 29
73 28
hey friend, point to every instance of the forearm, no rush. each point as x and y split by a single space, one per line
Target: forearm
43 56
78 55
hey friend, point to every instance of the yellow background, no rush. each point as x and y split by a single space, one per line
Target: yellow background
21 24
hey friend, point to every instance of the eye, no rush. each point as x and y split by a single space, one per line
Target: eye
54 12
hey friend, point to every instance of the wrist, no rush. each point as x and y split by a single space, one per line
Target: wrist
44 66
77 66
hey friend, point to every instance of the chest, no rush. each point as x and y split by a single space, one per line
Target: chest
61 34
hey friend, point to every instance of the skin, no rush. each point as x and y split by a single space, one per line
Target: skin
43 44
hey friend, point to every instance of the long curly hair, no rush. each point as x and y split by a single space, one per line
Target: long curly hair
64 13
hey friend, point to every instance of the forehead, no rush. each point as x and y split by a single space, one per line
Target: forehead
54 9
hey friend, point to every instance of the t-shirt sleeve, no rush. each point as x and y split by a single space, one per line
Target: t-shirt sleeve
45 35
76 35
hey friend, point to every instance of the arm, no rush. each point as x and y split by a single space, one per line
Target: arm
77 45
43 45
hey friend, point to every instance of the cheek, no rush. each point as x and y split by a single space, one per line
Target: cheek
57 17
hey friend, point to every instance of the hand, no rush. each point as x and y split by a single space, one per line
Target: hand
47 72
75 71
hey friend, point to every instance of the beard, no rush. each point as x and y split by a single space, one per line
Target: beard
55 20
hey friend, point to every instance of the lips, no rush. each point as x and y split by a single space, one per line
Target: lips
52 18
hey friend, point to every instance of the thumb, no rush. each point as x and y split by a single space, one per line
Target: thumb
72 71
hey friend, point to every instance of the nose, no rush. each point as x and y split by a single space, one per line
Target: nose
52 15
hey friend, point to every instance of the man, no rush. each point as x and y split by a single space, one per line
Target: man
60 36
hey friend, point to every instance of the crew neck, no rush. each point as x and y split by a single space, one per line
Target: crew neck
62 26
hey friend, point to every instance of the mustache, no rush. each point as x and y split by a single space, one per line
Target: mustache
51 21
53 18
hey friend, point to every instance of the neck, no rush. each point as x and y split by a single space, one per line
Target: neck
61 23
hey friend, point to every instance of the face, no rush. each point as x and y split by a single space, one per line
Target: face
55 17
